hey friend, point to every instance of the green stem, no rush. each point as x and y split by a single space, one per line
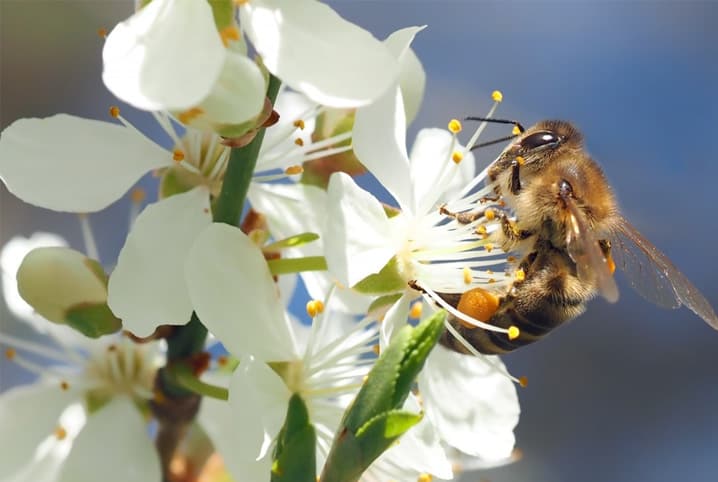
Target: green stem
187 379
296 265
240 169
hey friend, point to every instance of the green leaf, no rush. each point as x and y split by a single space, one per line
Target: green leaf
294 455
375 419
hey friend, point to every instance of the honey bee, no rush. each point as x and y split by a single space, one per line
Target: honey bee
563 219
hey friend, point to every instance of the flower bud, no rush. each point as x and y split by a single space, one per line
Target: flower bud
67 287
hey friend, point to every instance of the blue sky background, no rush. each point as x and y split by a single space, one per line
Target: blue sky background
628 391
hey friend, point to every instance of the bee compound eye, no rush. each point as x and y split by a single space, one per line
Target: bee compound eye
565 188
539 140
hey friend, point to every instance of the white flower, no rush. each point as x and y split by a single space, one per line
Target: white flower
79 420
278 356
169 55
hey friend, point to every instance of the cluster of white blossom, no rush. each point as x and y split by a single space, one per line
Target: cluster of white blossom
202 70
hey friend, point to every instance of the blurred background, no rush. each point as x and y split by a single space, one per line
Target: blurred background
627 392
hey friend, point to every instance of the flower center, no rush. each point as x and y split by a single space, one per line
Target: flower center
121 368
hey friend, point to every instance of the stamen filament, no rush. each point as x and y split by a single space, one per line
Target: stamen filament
28 346
88 238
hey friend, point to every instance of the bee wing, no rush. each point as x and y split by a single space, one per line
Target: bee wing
583 247
653 275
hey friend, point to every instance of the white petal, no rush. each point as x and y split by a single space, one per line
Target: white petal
258 399
297 208
238 95
412 78
339 64
40 158
114 446
433 173
357 233
28 415
395 319
166 56
147 287
484 407
234 294
379 141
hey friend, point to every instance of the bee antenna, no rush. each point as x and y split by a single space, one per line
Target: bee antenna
491 143
498 121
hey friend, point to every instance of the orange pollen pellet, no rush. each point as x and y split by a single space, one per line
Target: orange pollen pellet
299 123
490 214
222 360
520 275
376 349
178 155
64 386
467 275
299 141
293 170
314 307
457 157
115 111
455 126
477 303
10 353
425 478
520 160
60 433
489 247
523 381
102 32
416 308
138 195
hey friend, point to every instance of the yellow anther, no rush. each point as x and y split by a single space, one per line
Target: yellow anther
299 141
60 433
497 96
511 259
178 155
115 111
523 381
520 160
222 360
229 33
314 307
425 478
416 308
491 280
520 275
102 32
467 275
293 170
481 229
189 115
10 353
64 386
457 157
489 271
516 131
488 247
376 349
455 126
299 123
513 332
138 195
490 214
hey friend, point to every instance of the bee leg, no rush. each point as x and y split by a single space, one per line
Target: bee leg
514 179
510 234
465 217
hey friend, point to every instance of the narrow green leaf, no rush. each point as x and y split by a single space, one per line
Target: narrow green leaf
294 455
